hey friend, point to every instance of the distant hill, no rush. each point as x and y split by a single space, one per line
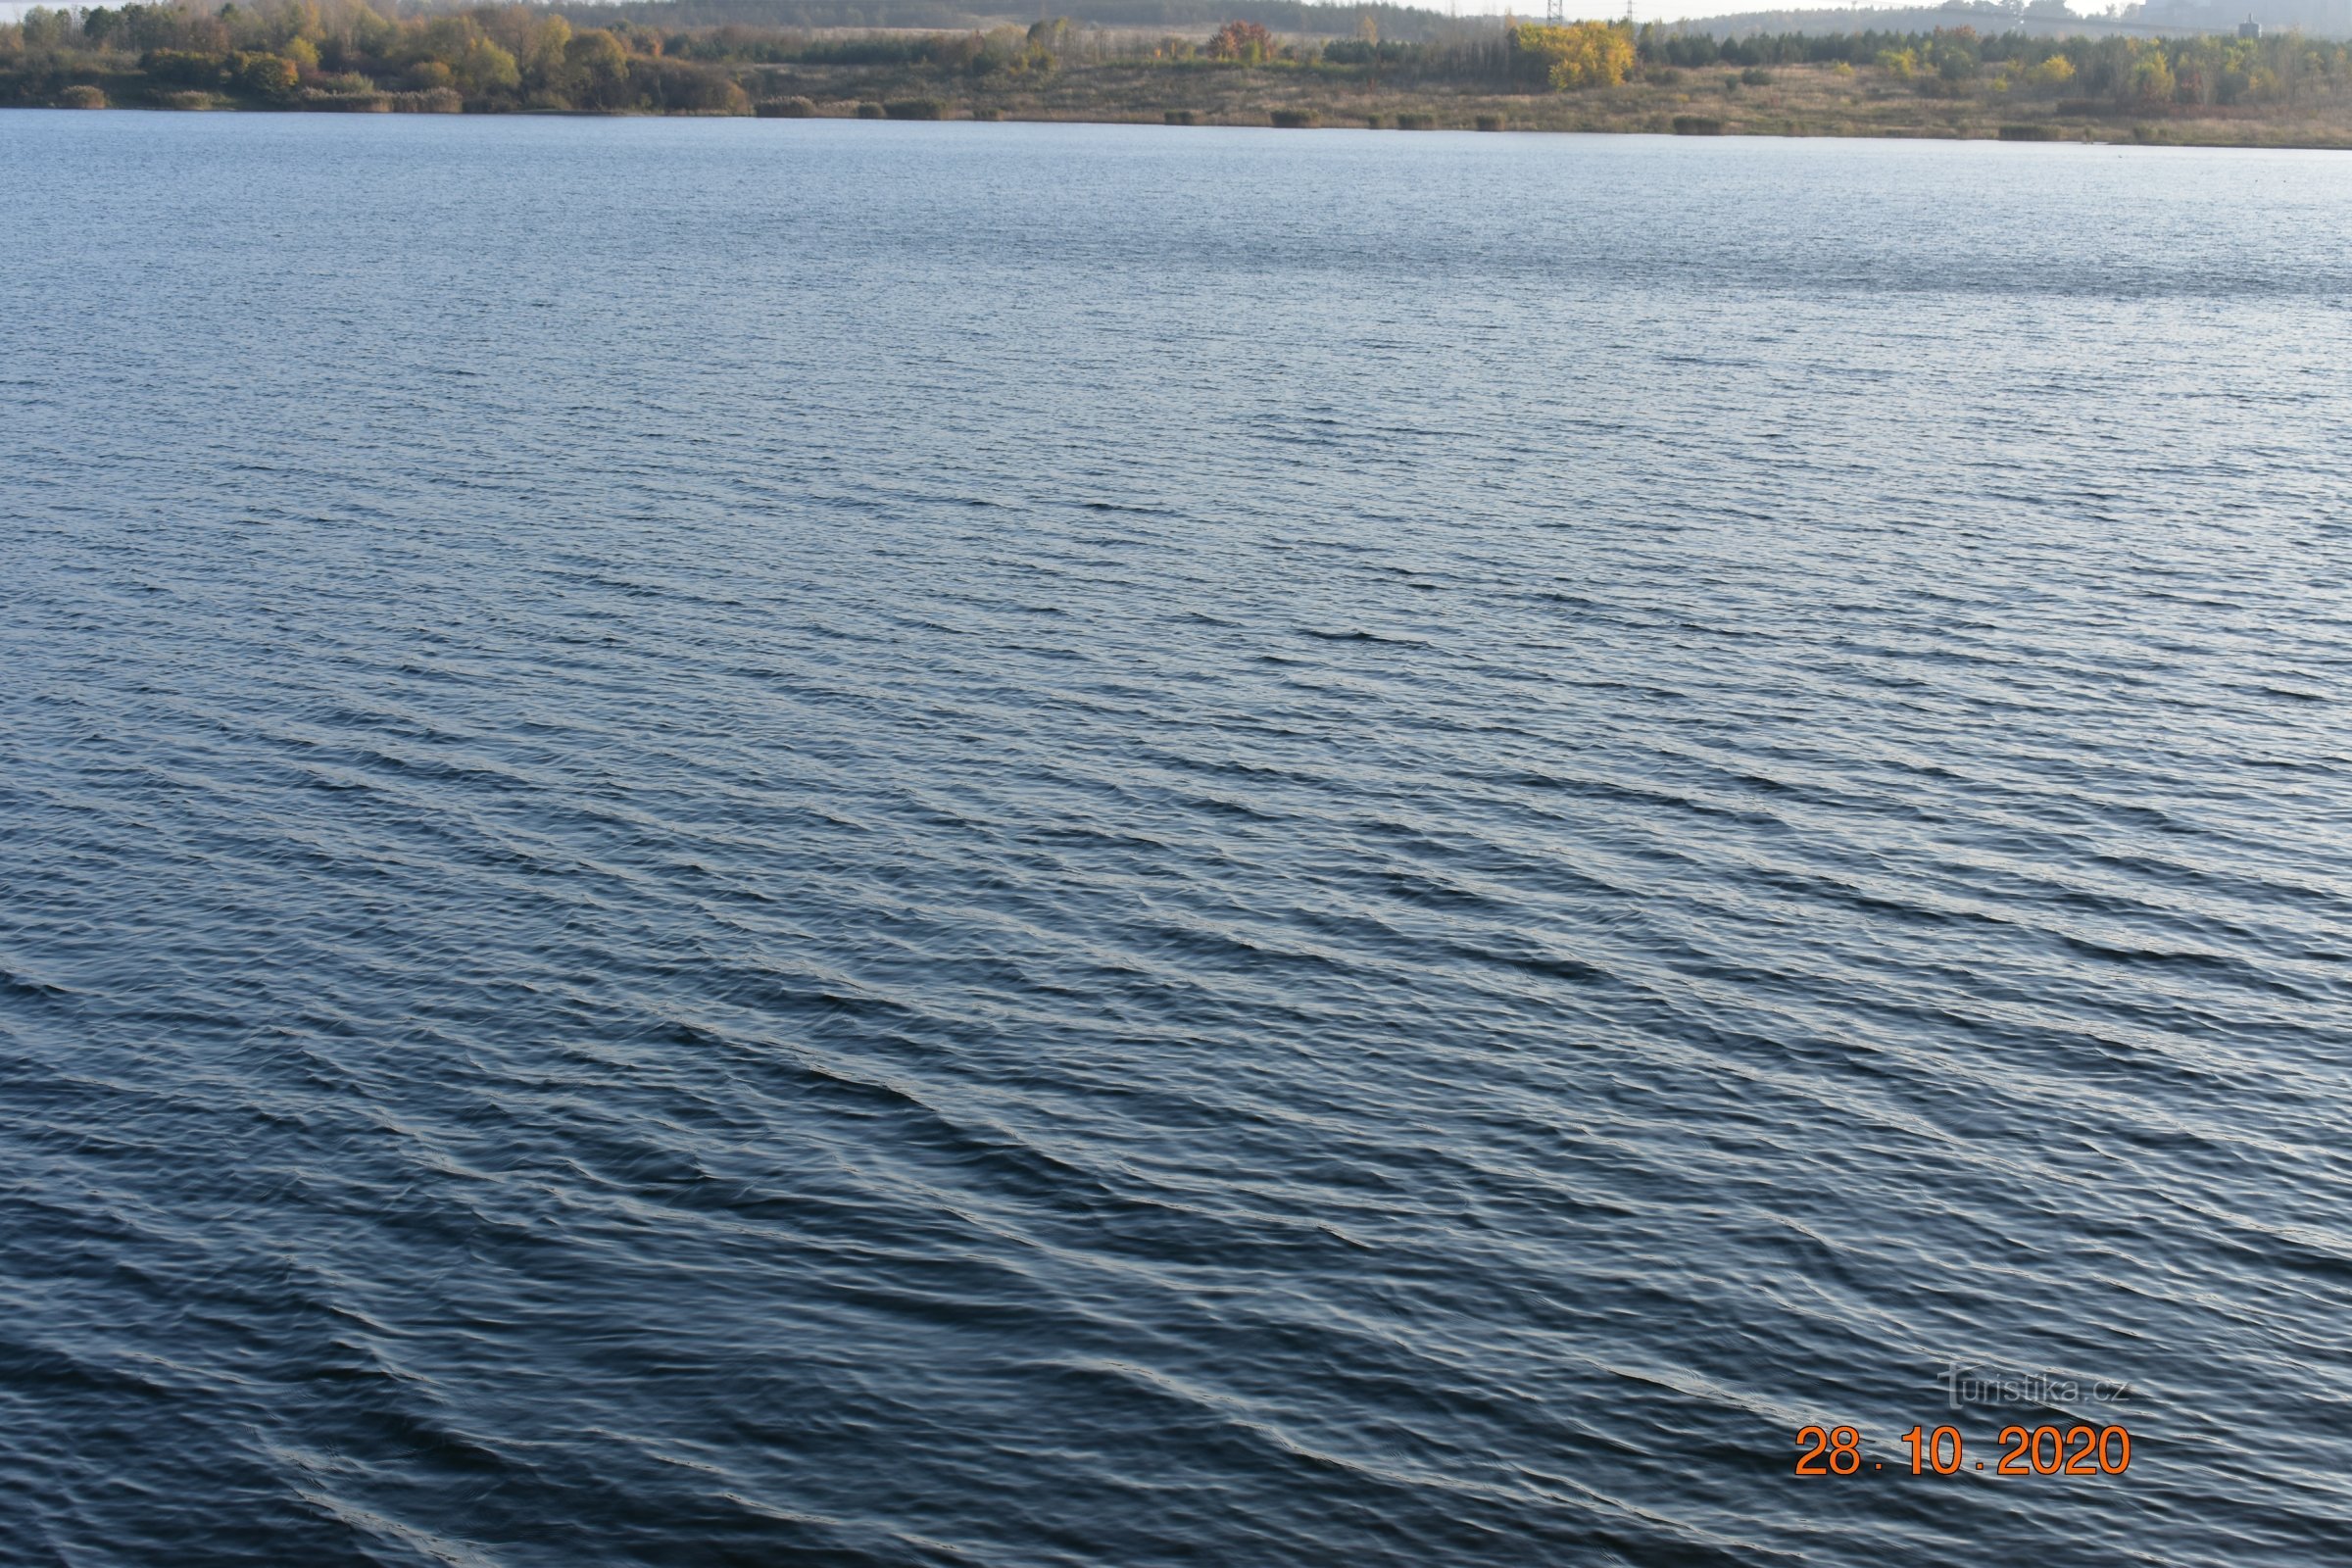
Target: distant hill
1982 15
2330 19
1401 23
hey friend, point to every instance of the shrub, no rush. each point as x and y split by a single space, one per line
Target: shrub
916 109
678 86
185 67
1756 76
1489 122
1296 119
869 111
81 95
1374 121
1696 126
270 76
363 103
1416 121
188 99
785 108
2028 133
988 114
1179 117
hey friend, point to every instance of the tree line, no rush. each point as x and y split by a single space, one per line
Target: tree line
2212 68
329 54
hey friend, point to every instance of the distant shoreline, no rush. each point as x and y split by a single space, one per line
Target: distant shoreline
2217 90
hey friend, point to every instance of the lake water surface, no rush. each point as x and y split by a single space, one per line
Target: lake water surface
830 842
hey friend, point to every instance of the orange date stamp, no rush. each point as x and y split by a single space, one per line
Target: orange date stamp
2043 1450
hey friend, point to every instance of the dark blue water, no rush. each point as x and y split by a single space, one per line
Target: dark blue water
840 844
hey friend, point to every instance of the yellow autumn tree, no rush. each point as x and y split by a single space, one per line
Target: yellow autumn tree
1582 54
2152 78
2054 73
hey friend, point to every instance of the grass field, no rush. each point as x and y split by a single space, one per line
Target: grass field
1793 101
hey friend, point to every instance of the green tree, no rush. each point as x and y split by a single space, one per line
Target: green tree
484 71
371 33
542 58
596 71
289 20
46 28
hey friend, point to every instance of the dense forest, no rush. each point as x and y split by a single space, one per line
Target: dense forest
348 55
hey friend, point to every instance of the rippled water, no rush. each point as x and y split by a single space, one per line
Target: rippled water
837 843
